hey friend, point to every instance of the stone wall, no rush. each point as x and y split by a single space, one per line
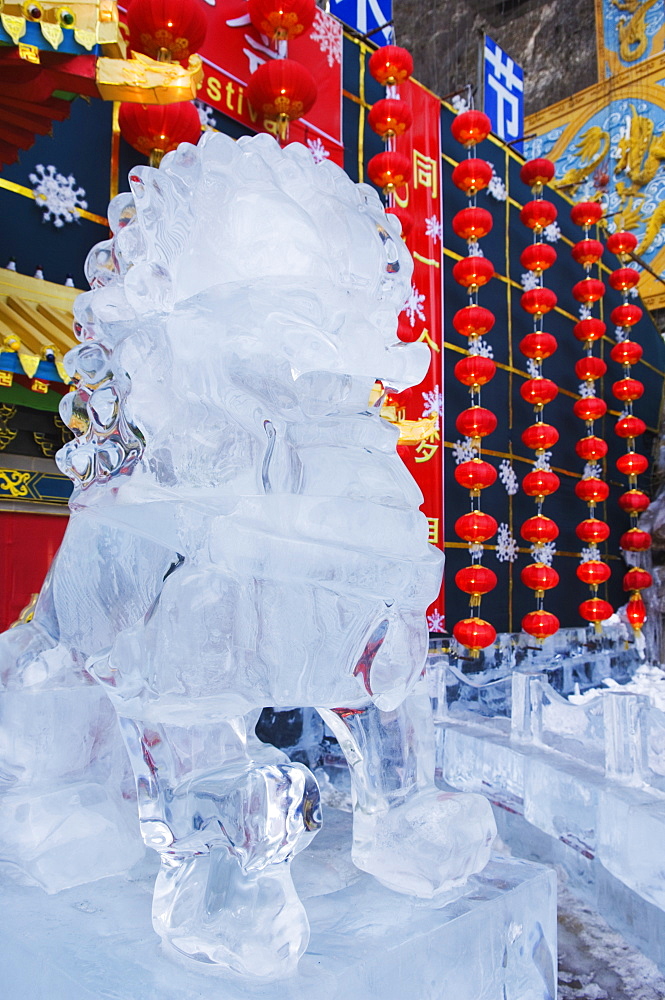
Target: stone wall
554 42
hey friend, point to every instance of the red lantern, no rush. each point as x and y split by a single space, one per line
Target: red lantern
472 223
635 540
634 501
475 370
623 279
155 129
389 117
470 127
539 529
590 368
474 633
538 214
538 257
539 391
636 612
476 527
630 427
590 408
587 252
592 490
632 463
628 352
473 321
593 573
539 345
628 389
596 610
405 218
537 172
282 20
591 448
389 170
475 474
540 437
626 315
637 579
476 580
589 290
472 175
476 422
473 272
591 531
540 624
282 90
621 243
540 483
538 576
586 213
538 301
589 329
166 29
390 65
405 332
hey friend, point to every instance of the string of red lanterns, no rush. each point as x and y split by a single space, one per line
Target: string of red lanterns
591 489
540 576
473 272
169 31
627 352
390 66
282 89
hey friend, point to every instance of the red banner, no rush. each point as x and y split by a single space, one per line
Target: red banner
234 49
28 543
421 197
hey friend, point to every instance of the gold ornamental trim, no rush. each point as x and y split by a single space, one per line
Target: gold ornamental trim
142 80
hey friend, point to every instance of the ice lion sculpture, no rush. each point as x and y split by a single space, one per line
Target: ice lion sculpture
243 534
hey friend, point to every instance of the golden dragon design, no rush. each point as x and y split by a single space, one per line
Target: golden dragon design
633 39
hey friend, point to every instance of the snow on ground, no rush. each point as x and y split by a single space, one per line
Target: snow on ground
596 963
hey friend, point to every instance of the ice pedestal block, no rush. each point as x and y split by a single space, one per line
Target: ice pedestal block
493 939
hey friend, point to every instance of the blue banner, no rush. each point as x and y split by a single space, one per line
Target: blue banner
504 94
365 16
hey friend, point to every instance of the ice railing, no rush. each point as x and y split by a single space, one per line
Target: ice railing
522 690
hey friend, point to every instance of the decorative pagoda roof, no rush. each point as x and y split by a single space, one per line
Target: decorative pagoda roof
35 327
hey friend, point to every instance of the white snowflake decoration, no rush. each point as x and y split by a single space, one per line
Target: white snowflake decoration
543 553
496 188
435 622
508 478
475 550
530 280
328 33
318 150
584 311
432 402
586 389
413 307
206 116
592 470
552 233
478 347
543 462
532 368
57 195
590 554
475 250
506 545
463 450
460 104
434 228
